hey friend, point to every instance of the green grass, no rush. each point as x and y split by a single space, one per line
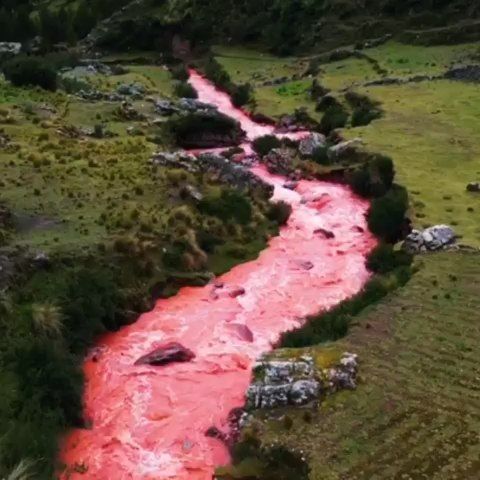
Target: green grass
247 65
429 129
415 413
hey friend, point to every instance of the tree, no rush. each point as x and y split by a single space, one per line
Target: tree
33 71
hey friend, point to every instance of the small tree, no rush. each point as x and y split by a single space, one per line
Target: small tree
386 216
23 71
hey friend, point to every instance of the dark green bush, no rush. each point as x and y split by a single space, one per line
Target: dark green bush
365 110
280 212
374 178
386 216
189 129
242 94
334 117
384 258
30 71
263 145
185 90
320 155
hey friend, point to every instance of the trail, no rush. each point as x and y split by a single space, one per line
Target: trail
149 422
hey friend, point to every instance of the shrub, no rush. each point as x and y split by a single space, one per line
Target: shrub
185 90
386 216
365 110
280 212
334 117
263 145
320 155
384 259
215 72
374 178
242 94
30 71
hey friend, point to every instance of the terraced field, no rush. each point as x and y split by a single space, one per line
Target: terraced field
416 412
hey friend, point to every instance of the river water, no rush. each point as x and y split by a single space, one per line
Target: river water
149 423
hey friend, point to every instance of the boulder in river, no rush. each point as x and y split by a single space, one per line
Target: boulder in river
172 352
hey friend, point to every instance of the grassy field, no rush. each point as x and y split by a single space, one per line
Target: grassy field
415 414
429 128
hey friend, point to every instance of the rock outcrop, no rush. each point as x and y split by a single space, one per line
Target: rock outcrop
228 172
431 239
172 352
309 144
298 382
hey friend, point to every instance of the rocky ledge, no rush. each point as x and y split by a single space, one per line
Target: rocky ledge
279 383
227 171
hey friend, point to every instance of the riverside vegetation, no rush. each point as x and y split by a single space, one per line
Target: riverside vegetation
91 232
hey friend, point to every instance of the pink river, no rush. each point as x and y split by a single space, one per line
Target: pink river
149 423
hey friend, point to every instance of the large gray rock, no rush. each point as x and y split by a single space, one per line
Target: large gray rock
343 147
298 382
309 144
434 238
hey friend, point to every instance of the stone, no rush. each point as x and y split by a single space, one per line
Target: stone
236 292
279 383
326 233
290 185
193 193
169 353
303 392
309 144
434 238
279 161
343 147
242 331
473 187
136 90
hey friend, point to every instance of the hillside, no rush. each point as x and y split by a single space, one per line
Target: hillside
119 187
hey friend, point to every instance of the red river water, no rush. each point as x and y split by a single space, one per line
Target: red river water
149 423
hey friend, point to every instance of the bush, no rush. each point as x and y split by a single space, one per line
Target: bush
30 71
384 259
334 117
263 145
386 216
374 178
185 90
242 94
280 212
365 110
320 155
215 72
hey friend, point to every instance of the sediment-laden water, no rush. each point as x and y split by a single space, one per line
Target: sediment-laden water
149 423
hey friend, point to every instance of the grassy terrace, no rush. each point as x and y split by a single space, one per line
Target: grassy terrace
415 414
428 127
